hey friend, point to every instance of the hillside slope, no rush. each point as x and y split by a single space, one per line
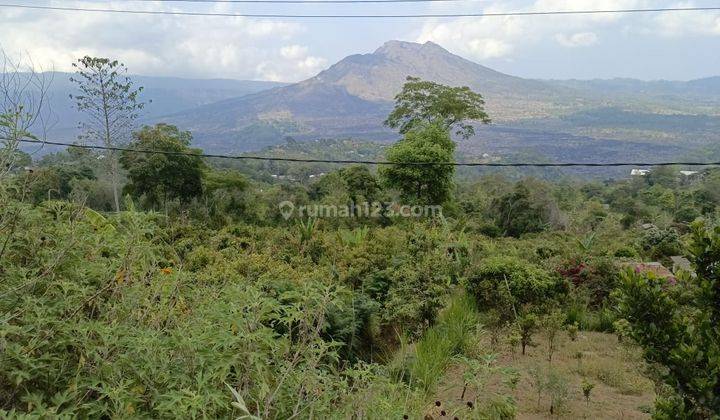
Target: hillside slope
163 95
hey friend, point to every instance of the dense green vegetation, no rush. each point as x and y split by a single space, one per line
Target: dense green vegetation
200 299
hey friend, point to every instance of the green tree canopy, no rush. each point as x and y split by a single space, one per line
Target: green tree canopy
163 177
361 183
528 208
423 101
429 183
56 181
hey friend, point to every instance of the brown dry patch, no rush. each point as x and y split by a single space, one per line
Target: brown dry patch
621 391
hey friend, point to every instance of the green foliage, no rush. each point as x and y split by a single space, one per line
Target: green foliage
679 330
12 159
556 387
661 243
509 282
527 325
551 324
361 183
220 308
501 408
429 183
415 291
552 384
119 326
56 182
163 177
422 102
448 338
352 237
306 230
572 330
587 388
520 212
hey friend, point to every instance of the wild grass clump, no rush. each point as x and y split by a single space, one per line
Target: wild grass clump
448 338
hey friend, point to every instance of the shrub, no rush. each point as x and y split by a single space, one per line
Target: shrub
526 325
598 276
601 320
501 408
572 330
551 325
528 208
507 283
661 243
557 389
678 329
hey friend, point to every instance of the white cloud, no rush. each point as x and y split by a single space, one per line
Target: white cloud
580 39
489 47
295 60
281 50
177 45
493 37
681 24
293 51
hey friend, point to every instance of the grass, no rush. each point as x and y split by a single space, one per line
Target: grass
449 337
620 388
613 373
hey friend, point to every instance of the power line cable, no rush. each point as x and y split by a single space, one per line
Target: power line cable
373 162
399 16
300 1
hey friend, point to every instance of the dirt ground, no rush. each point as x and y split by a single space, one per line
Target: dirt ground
620 388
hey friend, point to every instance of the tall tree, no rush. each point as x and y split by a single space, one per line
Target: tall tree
360 182
161 177
110 101
427 183
425 113
424 101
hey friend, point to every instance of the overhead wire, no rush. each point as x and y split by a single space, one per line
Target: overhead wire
301 1
360 16
372 162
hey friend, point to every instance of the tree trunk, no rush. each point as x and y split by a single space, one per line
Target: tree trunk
114 179
109 143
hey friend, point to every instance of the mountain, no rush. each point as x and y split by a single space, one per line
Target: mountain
353 96
165 95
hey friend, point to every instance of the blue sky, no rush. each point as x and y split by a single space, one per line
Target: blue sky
677 46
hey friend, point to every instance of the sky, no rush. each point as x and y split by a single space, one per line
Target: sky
652 46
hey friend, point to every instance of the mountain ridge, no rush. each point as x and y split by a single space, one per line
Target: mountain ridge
356 93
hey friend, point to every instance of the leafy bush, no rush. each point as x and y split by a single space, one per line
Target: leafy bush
661 243
508 283
678 329
527 209
596 275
